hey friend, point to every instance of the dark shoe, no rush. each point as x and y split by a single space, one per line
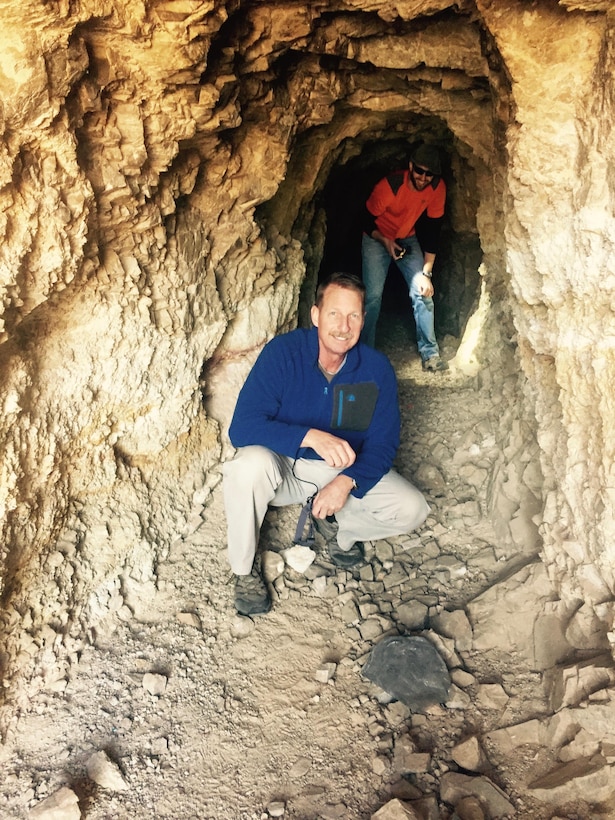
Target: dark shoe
251 594
328 527
434 364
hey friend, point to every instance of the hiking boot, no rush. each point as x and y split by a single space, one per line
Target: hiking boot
251 594
328 527
434 364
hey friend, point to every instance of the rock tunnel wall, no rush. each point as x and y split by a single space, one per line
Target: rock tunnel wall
161 170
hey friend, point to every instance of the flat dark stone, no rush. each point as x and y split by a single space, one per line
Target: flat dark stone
410 669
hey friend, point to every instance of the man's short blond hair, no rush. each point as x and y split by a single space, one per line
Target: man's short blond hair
350 281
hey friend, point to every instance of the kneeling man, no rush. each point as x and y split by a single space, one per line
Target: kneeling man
317 416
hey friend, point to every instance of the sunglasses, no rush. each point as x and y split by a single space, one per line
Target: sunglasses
422 172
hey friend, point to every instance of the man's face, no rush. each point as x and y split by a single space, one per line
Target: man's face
421 177
339 320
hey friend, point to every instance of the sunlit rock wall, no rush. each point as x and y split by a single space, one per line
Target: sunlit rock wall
158 172
560 249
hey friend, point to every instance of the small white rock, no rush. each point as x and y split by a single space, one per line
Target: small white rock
242 626
379 765
189 619
154 684
319 585
276 809
299 768
61 805
125 613
160 746
299 558
491 696
105 773
326 672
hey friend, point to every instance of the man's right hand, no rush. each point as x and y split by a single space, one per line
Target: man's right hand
335 451
390 244
396 251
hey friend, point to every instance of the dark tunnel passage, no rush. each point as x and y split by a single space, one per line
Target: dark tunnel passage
456 277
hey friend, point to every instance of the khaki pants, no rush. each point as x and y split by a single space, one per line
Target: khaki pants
258 477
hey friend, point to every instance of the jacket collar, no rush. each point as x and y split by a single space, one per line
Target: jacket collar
353 357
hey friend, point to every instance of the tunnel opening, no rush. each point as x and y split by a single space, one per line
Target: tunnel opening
323 207
327 219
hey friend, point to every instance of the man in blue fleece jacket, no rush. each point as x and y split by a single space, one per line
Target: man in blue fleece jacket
317 416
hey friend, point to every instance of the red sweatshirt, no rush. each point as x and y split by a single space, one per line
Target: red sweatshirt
396 211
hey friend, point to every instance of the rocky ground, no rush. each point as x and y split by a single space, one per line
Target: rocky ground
181 709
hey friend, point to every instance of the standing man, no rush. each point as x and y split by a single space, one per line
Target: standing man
393 208
317 416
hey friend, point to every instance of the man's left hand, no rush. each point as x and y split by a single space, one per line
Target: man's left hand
425 285
332 497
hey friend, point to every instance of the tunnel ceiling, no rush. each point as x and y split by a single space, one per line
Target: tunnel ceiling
361 80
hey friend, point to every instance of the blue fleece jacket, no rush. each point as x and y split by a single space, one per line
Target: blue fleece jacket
286 394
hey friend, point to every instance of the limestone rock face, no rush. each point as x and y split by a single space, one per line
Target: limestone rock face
162 171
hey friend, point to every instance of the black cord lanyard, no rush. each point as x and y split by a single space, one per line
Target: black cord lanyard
303 538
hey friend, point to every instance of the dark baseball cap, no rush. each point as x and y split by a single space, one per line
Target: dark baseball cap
427 156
